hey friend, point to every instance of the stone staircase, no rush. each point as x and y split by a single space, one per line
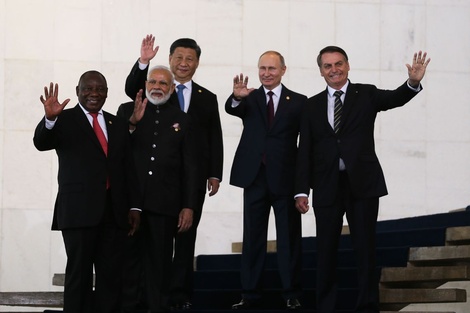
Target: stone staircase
413 272
429 268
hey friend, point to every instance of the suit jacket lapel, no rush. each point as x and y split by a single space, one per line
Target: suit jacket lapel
110 130
348 105
282 106
261 101
195 95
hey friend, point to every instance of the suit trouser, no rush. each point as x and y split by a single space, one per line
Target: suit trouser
182 276
362 219
102 247
257 204
158 233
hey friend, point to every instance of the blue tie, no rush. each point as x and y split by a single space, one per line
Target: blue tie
180 88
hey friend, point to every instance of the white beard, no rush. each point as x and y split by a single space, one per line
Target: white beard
157 101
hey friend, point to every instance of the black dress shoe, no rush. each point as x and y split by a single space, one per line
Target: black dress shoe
243 305
293 304
182 306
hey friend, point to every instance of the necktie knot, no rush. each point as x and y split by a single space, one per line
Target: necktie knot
179 92
338 93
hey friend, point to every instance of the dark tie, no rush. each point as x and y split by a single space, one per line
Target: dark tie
180 88
338 109
270 108
99 132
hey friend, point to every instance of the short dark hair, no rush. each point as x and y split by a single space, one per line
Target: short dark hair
330 49
91 72
186 43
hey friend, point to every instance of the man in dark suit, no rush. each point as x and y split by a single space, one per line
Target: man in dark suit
97 189
201 105
337 160
166 161
264 165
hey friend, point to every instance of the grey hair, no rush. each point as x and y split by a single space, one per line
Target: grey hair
160 67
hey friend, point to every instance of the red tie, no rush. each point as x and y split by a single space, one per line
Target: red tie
270 108
99 132
101 138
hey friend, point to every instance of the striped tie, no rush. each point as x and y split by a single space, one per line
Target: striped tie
338 109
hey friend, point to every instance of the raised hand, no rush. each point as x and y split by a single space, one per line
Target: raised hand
52 106
147 52
417 70
139 108
240 89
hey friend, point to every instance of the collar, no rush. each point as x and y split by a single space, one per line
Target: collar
100 112
331 90
277 91
188 85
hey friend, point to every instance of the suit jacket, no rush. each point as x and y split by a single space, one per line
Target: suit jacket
320 148
166 159
84 169
277 145
205 121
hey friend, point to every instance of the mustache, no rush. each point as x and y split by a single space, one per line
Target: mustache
157 92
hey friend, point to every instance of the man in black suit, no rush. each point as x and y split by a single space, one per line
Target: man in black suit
97 189
264 165
201 105
166 161
337 160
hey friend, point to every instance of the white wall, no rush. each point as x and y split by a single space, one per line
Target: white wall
424 147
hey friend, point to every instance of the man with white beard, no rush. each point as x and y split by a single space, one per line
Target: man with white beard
165 157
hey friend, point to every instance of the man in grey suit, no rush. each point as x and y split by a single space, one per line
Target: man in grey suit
337 160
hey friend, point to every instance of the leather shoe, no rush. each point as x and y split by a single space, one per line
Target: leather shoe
182 306
243 305
293 304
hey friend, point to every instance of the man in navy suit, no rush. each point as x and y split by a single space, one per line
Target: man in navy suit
202 107
264 166
97 191
337 160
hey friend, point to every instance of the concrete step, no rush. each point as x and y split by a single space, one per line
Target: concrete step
414 275
458 235
409 295
32 299
415 312
440 255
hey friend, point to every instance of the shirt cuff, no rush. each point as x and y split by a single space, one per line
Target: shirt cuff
417 89
142 66
50 124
